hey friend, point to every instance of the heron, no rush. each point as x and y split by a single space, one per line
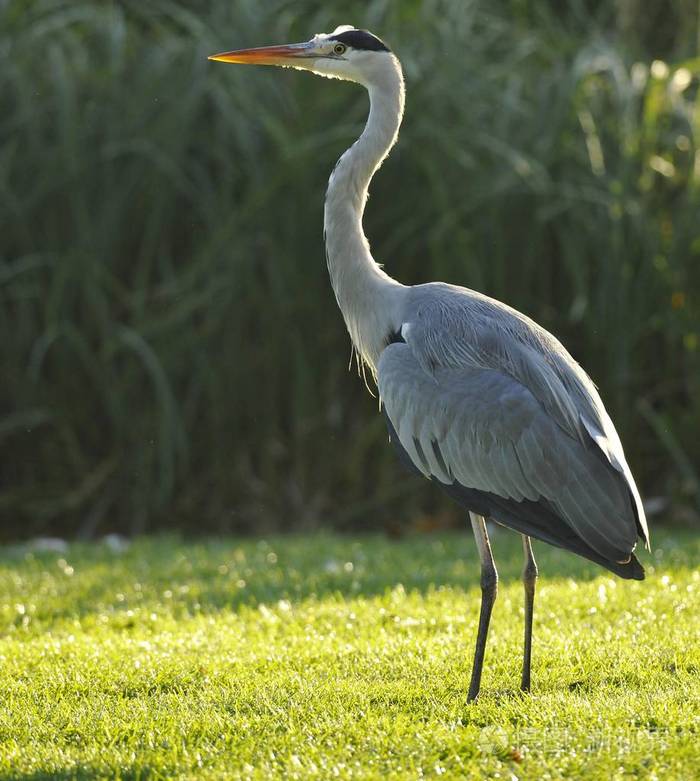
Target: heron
477 397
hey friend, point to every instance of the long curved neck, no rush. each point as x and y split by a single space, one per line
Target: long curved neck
368 297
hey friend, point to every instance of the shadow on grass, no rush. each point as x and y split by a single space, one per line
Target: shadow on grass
226 574
82 773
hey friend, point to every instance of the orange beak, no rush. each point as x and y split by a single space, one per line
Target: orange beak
288 55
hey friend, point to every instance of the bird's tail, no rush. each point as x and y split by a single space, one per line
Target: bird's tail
540 521
632 570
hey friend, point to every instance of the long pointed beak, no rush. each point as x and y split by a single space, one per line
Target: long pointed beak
287 55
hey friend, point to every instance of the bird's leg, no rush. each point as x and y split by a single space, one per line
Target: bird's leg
529 578
489 588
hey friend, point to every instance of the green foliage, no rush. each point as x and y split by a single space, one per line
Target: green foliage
171 352
328 657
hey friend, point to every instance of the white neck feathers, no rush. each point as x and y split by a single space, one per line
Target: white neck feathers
368 297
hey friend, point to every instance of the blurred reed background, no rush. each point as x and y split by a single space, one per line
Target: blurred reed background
171 353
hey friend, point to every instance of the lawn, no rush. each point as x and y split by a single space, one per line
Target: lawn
337 657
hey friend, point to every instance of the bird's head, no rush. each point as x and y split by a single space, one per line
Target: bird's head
346 53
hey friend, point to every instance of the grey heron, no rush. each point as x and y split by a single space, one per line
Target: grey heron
477 396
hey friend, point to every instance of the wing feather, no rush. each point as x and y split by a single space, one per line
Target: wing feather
480 429
453 327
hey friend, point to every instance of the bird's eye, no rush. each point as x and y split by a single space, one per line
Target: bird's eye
339 48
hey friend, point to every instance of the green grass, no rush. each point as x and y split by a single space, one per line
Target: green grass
173 349
333 657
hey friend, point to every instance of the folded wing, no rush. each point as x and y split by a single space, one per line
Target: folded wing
493 444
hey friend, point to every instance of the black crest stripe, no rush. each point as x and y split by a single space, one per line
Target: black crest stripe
361 39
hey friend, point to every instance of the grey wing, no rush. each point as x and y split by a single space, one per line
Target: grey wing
482 431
